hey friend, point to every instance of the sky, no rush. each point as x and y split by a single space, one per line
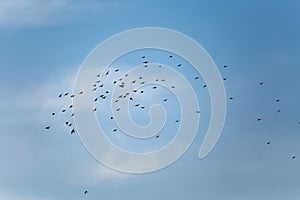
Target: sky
42 46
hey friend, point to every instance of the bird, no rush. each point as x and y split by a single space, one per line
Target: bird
140 77
115 130
142 107
154 87
136 105
179 65
224 79
165 99
116 70
145 62
259 119
72 96
53 114
231 98
111 117
66 93
170 56
59 95
142 91
72 131
143 56
177 121
204 86
157 136
67 123
277 100
47 127
94 109
118 109
225 66
72 115
81 92
278 110
63 110
268 143
197 77
261 83
293 157
71 106
197 111
107 73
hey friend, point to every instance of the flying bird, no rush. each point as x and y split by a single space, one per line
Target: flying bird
47 127
261 83
85 192
72 131
53 114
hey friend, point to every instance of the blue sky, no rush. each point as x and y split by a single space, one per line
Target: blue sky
43 44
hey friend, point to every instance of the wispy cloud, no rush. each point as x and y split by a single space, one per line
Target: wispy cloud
35 12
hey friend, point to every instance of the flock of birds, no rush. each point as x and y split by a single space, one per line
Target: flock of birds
98 84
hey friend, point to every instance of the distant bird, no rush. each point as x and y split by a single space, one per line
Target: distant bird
81 92
277 100
53 114
142 82
145 62
278 110
115 130
107 73
72 131
225 66
259 119
118 109
293 157
157 136
131 98
197 77
142 91
204 86
197 111
94 109
111 118
72 96
165 99
63 110
140 77
163 80
170 56
96 99
70 124
136 105
142 107
59 95
66 94
173 86
71 106
179 65
67 123
177 121
47 127
268 143
116 70
231 98
143 56
154 87
224 79
261 83
72 115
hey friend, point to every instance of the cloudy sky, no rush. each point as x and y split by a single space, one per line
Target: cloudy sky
42 45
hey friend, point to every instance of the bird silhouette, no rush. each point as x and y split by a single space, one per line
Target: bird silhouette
72 131
47 127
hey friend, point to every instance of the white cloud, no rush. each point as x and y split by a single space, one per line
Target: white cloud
35 12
